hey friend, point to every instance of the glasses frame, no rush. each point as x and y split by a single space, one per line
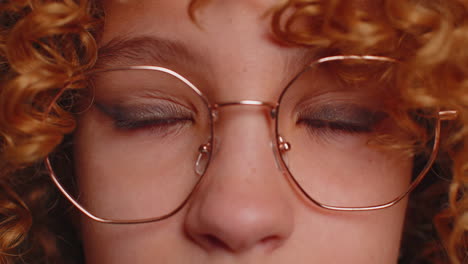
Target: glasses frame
281 145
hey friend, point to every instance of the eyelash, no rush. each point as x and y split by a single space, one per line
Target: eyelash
160 127
330 128
137 124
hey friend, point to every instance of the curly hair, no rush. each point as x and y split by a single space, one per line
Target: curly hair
46 47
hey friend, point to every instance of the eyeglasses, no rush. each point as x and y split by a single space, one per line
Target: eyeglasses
147 138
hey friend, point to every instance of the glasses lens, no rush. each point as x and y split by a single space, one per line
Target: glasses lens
137 153
349 146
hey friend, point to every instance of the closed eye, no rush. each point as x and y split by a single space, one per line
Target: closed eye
160 118
346 127
344 118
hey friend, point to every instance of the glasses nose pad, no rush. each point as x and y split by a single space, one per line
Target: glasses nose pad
203 158
280 152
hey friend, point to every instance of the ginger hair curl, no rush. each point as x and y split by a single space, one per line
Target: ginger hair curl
46 46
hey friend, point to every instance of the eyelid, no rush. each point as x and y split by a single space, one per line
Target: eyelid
347 113
126 116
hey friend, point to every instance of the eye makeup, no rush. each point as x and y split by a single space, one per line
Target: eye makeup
132 117
349 118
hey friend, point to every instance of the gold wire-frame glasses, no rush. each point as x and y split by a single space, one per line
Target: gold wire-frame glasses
281 143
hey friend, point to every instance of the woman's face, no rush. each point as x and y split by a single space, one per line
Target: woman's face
245 210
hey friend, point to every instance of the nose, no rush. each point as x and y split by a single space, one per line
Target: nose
244 201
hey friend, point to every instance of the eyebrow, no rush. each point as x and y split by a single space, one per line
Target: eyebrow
142 50
158 51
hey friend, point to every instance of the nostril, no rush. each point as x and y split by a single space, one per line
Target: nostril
269 239
271 242
214 242
268 243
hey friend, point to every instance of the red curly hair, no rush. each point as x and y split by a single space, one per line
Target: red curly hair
46 47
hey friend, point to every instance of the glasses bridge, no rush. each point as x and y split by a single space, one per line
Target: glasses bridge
272 106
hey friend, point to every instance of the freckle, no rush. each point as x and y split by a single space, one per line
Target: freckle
253 170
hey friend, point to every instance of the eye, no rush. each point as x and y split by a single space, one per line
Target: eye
336 126
341 118
161 117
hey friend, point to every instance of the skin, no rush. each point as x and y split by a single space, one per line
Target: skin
245 210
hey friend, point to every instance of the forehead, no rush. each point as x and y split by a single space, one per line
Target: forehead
171 19
231 42
166 10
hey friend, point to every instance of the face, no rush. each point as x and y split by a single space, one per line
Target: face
245 209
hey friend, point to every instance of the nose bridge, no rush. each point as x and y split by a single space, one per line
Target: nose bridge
246 103
245 124
242 202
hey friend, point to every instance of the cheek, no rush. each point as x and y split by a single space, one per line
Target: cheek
108 187
347 172
148 243
124 179
353 237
